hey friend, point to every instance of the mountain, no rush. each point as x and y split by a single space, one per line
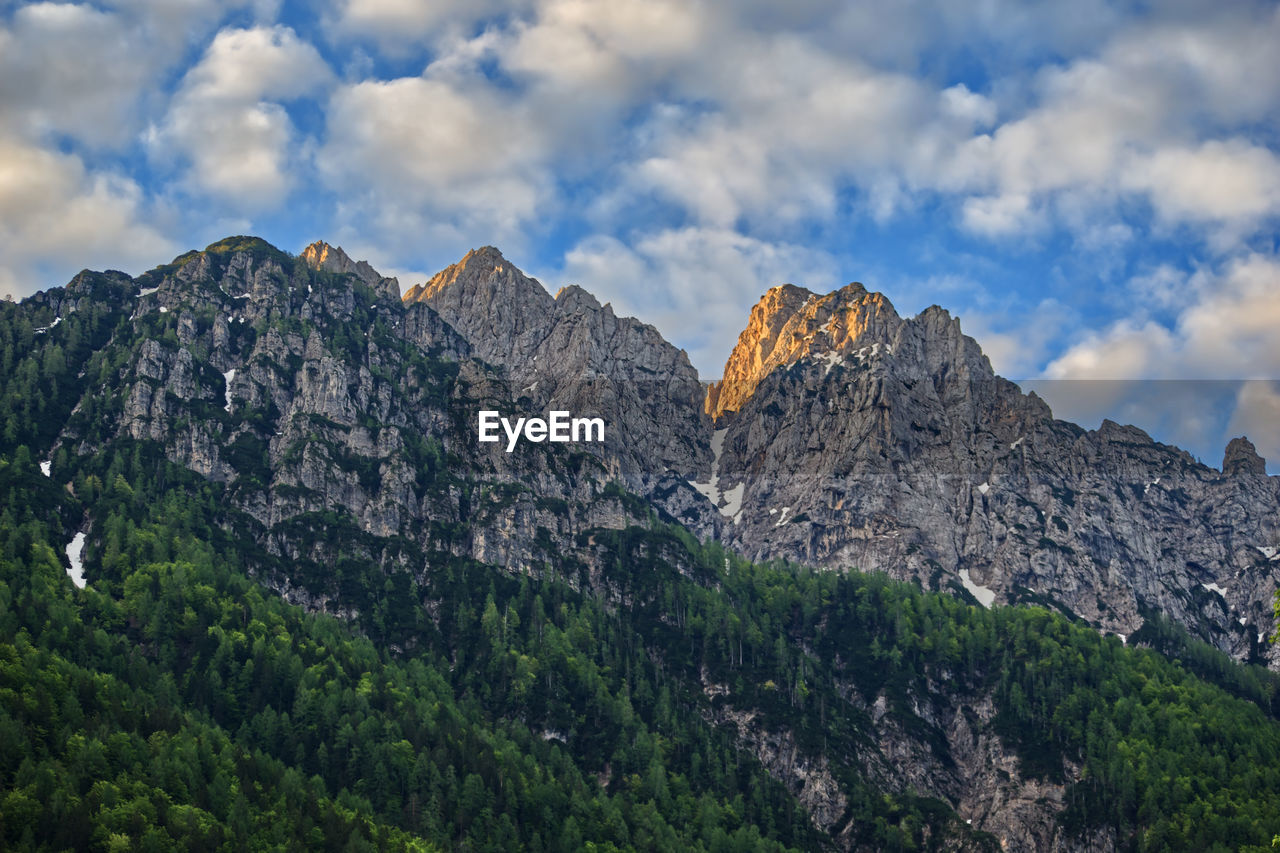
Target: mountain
571 352
860 439
311 610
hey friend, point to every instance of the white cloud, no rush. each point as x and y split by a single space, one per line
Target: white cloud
399 25
56 217
1228 181
1153 116
994 216
1227 332
415 149
72 69
588 45
227 119
1018 343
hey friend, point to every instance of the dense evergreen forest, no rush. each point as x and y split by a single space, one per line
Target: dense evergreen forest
176 704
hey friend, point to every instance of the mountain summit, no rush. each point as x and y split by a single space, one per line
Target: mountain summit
790 323
321 256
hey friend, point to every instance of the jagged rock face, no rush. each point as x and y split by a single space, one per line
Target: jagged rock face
852 438
1242 460
313 397
790 323
321 256
500 311
572 353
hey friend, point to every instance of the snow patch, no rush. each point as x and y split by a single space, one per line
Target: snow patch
1243 621
227 377
46 468
164 310
1014 446
782 519
831 359
733 501
1269 552
1213 587
147 291
984 488
74 549
986 597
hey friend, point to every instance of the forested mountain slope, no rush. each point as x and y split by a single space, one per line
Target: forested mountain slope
475 650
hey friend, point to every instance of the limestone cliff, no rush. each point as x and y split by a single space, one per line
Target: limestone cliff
853 438
572 353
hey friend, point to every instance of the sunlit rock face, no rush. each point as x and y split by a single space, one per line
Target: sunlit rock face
853 438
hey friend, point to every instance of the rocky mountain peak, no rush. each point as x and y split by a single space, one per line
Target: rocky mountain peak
494 305
322 256
573 299
1242 460
791 323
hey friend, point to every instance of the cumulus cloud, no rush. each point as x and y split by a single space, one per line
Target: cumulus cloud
57 217
91 72
408 151
228 119
70 69
1153 116
396 25
1228 181
1227 332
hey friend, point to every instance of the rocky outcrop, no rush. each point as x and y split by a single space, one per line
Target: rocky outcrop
321 256
572 353
341 422
1242 460
853 438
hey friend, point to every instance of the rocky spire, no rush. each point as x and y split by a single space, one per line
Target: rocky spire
790 323
1242 459
500 310
321 256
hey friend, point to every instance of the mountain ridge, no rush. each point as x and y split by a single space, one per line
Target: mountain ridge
242 411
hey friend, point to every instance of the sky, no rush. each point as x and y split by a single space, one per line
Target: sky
1092 187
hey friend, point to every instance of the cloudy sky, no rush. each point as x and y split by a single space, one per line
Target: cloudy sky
1093 187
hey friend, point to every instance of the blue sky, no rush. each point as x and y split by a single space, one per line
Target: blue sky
1093 187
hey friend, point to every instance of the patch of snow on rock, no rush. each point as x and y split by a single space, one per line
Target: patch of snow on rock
984 488
46 468
733 501
74 548
1213 587
228 376
986 597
